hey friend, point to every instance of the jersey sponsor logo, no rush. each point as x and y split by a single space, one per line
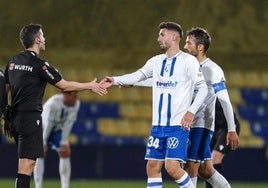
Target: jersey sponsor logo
168 84
13 66
172 142
48 73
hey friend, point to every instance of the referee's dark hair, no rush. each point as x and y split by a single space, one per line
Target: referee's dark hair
28 33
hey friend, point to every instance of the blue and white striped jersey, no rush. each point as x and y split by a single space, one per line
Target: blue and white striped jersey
173 83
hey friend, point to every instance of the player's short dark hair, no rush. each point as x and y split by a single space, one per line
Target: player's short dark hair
201 36
28 33
172 26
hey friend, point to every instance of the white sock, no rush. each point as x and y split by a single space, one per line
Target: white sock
154 183
39 172
217 180
185 181
194 180
65 172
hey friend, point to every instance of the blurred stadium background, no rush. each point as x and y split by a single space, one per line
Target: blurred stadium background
88 39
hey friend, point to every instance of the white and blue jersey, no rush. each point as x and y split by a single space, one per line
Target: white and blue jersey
173 83
215 80
203 126
58 120
214 77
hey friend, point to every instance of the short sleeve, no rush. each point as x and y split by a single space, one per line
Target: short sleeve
49 73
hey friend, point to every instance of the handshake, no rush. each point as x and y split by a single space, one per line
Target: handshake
101 87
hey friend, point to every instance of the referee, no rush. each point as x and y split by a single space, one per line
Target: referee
218 142
26 78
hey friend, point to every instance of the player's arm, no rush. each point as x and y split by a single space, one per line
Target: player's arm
224 99
200 86
188 118
46 132
202 91
131 79
67 127
66 131
48 116
124 80
145 83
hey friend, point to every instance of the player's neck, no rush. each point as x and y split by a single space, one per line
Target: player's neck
172 51
201 57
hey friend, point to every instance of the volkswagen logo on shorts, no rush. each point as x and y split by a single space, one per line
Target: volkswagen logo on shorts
172 142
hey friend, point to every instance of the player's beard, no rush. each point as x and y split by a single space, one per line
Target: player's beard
193 52
163 48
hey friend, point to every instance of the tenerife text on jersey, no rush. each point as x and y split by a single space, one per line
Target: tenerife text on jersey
167 84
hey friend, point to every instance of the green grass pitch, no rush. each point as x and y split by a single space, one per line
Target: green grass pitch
6 183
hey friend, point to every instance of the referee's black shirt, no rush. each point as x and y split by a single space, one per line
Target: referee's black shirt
27 76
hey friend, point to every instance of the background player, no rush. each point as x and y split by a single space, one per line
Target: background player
199 160
59 114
